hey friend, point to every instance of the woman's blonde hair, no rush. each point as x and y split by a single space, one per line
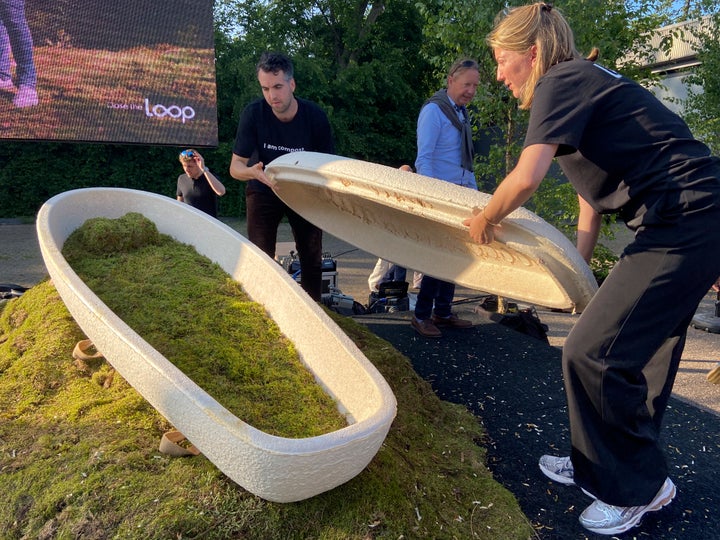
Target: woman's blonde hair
539 24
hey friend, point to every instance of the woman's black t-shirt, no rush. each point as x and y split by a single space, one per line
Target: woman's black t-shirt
261 137
619 146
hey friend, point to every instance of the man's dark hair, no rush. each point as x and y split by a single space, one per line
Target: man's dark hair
274 62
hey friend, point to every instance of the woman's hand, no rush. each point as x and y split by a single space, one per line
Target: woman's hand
480 229
513 191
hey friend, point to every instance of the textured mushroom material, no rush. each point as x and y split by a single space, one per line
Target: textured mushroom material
417 222
275 468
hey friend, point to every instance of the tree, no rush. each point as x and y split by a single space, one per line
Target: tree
351 56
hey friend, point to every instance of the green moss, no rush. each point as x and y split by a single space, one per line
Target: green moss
193 313
104 236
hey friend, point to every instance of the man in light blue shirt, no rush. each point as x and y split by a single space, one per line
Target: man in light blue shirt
445 151
444 142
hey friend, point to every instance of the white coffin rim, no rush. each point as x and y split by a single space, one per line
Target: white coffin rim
274 468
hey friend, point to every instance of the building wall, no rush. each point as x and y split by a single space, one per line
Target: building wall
673 64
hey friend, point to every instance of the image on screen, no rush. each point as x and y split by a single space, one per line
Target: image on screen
114 71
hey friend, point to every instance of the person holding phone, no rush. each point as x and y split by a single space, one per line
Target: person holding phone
197 186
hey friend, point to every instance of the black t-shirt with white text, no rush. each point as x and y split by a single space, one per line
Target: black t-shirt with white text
262 137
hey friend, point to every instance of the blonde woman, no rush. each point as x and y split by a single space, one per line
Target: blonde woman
625 153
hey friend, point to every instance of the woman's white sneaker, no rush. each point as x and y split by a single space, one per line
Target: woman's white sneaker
602 518
559 469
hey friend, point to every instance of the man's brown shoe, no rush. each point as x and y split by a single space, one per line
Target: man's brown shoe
453 321
425 328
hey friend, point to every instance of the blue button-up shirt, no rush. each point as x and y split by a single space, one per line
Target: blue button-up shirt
439 147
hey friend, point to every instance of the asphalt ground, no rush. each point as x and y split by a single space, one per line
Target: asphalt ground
513 384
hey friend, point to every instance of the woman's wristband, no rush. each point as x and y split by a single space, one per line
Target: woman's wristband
487 220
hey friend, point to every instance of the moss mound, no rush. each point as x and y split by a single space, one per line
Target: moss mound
105 236
194 314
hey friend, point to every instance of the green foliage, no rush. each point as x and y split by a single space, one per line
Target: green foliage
382 131
602 262
33 172
619 29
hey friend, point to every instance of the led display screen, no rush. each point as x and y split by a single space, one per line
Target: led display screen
120 71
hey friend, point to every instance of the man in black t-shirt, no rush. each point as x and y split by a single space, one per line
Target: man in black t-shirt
270 127
198 187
